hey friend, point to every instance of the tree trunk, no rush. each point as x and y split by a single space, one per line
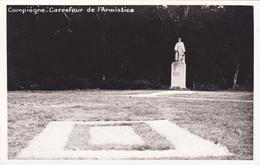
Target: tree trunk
186 11
158 75
193 85
235 77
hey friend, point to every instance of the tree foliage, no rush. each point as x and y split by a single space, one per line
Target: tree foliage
117 50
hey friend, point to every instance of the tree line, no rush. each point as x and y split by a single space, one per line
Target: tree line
60 51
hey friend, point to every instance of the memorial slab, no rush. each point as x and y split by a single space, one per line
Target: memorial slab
124 135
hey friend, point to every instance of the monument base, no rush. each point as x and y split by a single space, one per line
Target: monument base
178 88
178 76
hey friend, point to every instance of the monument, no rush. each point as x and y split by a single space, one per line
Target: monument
178 67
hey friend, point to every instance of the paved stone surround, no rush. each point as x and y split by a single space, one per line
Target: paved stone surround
50 143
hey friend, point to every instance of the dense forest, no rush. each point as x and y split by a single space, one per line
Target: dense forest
129 50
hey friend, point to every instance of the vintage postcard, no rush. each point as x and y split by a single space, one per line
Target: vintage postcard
173 82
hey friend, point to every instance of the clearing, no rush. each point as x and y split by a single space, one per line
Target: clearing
224 118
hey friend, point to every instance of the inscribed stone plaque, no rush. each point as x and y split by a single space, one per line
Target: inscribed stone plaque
178 75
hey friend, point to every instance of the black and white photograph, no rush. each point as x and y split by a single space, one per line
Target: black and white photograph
158 82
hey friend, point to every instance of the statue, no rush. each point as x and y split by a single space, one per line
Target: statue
179 51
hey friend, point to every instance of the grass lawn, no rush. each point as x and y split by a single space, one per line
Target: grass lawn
229 123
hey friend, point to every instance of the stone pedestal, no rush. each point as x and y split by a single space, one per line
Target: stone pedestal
178 75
